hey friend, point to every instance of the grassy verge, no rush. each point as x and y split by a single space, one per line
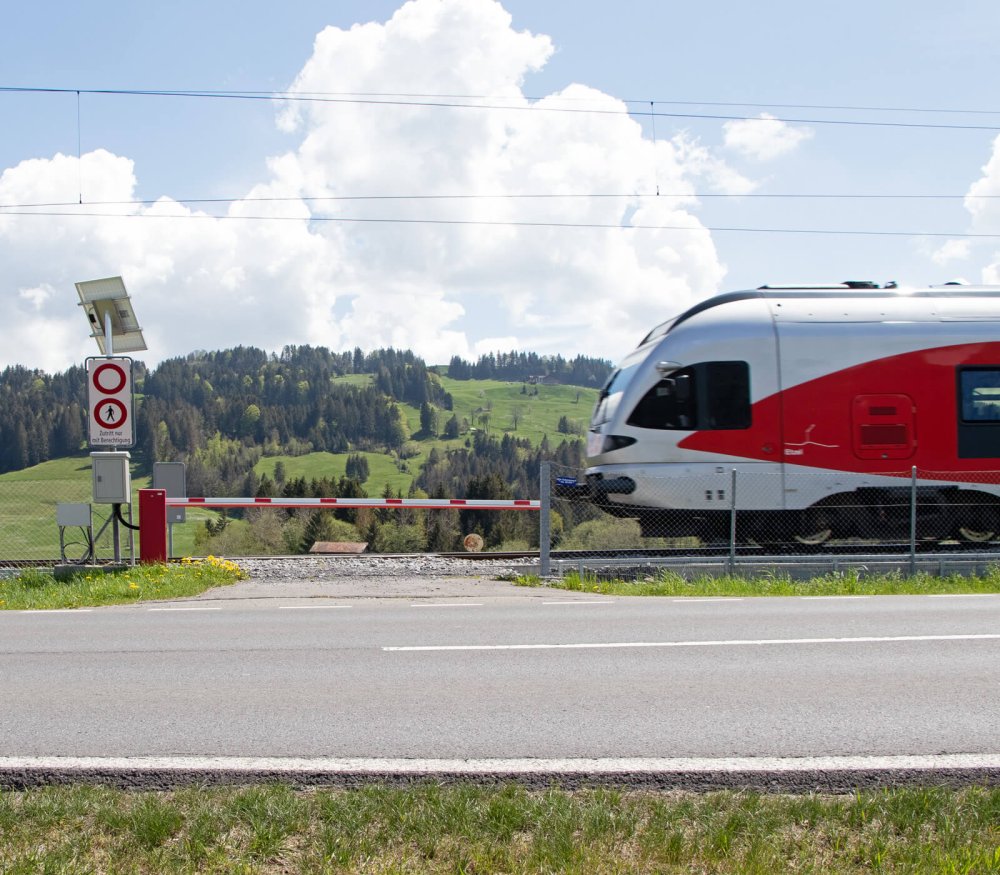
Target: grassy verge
37 590
465 829
851 582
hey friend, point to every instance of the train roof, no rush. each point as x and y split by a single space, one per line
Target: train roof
835 292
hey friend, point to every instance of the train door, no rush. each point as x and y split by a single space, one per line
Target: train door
883 426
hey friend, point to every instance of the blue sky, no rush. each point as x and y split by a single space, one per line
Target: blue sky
501 270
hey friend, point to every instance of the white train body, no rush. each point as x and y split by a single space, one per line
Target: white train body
817 397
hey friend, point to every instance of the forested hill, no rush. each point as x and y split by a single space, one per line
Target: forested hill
292 402
528 366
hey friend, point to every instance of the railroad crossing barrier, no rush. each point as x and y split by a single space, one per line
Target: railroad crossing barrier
153 504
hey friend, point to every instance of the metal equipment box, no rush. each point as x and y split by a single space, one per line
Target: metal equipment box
112 480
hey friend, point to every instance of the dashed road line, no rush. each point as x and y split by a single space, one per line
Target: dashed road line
314 607
54 611
961 595
185 609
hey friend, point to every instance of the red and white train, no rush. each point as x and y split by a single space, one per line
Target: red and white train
823 399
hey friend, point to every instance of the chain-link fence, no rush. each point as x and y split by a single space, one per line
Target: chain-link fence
738 513
682 511
30 530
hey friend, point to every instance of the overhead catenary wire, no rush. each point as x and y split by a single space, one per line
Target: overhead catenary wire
699 195
532 105
387 220
459 101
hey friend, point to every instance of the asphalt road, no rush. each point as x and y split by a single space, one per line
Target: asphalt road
501 673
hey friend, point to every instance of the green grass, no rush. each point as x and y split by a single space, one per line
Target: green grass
540 416
383 469
470 829
39 590
853 582
540 413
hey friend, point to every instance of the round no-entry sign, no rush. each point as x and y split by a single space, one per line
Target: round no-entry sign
109 378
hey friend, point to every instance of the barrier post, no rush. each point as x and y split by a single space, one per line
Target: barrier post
544 523
152 525
913 521
732 524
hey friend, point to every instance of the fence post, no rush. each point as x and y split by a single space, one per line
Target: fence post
913 521
544 523
732 525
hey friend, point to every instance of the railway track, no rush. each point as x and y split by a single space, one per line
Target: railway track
785 552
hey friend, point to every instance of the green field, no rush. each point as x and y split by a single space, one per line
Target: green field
538 416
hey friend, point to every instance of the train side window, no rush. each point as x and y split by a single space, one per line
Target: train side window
980 394
727 395
708 395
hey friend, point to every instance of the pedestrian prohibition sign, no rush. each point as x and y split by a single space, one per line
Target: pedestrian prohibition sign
109 390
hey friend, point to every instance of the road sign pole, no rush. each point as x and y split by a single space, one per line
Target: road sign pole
108 334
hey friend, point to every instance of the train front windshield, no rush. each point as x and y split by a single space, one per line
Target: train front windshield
611 395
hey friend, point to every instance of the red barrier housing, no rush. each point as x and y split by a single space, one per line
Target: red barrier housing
152 525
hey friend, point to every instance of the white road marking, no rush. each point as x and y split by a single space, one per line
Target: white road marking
186 609
691 601
579 602
756 642
831 598
450 605
961 595
314 607
526 766
54 611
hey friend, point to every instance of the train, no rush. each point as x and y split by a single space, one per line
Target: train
815 412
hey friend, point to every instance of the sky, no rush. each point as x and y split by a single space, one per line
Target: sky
459 177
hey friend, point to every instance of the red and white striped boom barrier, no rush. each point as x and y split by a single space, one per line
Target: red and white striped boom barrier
153 504
317 503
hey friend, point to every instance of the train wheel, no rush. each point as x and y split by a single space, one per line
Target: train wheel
814 527
975 532
978 524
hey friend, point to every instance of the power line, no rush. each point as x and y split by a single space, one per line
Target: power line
516 224
644 101
699 195
443 103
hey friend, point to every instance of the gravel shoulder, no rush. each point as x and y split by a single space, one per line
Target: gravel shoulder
378 577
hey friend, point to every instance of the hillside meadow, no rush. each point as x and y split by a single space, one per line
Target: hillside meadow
28 497
537 416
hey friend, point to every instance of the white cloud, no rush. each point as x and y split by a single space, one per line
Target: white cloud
952 250
337 273
763 138
982 198
983 203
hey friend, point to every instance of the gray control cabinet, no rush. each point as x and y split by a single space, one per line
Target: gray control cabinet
112 480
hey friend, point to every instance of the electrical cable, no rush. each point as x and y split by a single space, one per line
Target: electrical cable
430 102
698 195
121 519
516 224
